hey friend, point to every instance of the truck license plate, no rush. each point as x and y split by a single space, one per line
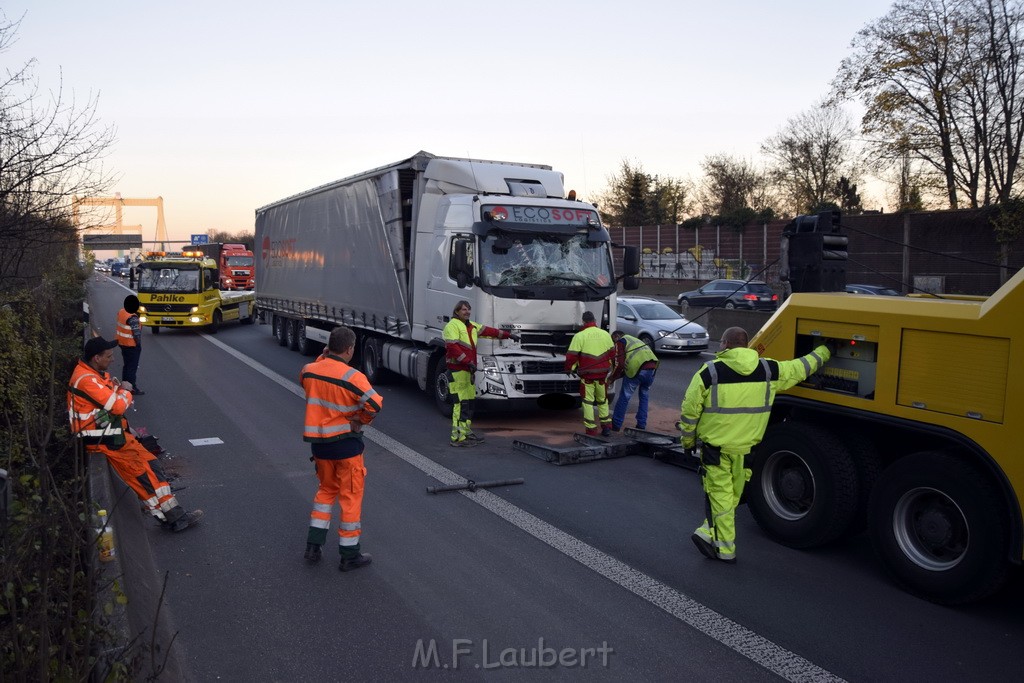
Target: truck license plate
167 320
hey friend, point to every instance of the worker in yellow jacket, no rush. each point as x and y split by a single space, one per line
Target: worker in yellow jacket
727 407
590 356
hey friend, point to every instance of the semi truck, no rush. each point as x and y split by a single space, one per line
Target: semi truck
182 291
234 262
912 431
389 252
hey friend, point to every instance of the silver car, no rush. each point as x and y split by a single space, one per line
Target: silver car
657 325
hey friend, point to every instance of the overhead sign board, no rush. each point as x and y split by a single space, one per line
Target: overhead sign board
112 241
200 239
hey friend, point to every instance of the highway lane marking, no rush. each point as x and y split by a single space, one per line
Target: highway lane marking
785 664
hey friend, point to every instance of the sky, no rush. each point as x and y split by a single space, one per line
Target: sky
221 107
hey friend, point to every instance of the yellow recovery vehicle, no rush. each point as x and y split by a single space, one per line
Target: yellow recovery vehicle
182 291
914 430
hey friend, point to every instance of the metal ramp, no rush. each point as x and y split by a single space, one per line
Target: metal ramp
664 447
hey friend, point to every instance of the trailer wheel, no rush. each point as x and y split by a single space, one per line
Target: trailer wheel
939 528
291 334
803 490
215 325
442 399
304 345
279 331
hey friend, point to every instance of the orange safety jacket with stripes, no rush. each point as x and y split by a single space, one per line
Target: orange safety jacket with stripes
460 341
591 353
336 396
96 407
125 334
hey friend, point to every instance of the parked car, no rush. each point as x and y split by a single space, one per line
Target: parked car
871 289
753 295
660 327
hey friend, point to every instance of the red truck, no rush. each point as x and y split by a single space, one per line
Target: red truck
235 263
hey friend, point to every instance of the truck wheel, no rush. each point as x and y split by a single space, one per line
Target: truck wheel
373 362
252 317
868 463
647 339
156 330
803 491
304 345
441 398
939 528
291 334
279 330
215 325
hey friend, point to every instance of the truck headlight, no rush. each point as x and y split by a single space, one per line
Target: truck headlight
195 309
491 370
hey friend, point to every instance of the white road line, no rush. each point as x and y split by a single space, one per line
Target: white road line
760 650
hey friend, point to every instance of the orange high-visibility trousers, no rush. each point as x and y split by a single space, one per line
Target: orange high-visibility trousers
134 464
341 481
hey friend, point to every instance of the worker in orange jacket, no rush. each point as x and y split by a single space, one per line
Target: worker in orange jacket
339 402
96 406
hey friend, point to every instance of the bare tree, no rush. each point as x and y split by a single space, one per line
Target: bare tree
733 186
51 149
943 81
809 155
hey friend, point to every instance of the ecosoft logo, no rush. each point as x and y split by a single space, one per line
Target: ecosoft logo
273 252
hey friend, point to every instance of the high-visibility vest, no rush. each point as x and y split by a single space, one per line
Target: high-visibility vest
125 337
460 341
637 353
729 401
591 352
96 407
336 394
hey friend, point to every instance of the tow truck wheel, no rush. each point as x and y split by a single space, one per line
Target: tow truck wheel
291 334
938 526
215 325
156 330
803 490
279 333
441 380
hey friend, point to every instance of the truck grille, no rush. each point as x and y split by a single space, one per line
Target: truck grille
160 308
551 387
543 367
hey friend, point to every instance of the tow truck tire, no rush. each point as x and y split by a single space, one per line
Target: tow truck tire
803 491
939 528
215 325
291 334
373 361
440 386
156 330
279 330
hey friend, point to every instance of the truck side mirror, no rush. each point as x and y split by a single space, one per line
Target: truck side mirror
631 262
630 282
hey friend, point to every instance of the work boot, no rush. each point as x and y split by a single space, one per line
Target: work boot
313 552
186 520
606 431
138 392
350 563
473 437
593 431
463 443
705 548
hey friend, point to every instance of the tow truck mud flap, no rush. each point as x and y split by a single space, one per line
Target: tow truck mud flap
663 447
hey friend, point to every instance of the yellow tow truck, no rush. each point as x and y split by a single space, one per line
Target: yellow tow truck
914 431
182 291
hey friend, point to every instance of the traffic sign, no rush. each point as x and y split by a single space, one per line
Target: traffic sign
200 239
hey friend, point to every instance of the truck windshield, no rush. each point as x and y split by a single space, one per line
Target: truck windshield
538 260
239 261
168 280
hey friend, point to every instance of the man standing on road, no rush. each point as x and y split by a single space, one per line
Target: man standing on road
727 406
636 363
460 335
339 402
96 406
590 356
129 338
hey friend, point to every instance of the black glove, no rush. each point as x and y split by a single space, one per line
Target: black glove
472 367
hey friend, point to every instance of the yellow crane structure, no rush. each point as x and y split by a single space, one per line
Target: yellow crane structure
119 202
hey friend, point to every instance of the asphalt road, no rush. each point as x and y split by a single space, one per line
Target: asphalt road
588 562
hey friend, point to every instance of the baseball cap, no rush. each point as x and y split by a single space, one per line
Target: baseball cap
96 345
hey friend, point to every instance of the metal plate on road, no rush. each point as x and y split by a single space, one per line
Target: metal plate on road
211 441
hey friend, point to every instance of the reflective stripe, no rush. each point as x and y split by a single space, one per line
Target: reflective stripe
328 431
348 540
350 526
322 507
319 523
687 420
333 406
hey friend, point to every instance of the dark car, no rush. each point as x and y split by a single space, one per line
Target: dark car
871 289
118 269
752 296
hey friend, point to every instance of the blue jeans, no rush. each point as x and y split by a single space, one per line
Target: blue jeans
644 379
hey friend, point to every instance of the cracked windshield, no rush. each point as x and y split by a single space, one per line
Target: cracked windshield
168 280
544 261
